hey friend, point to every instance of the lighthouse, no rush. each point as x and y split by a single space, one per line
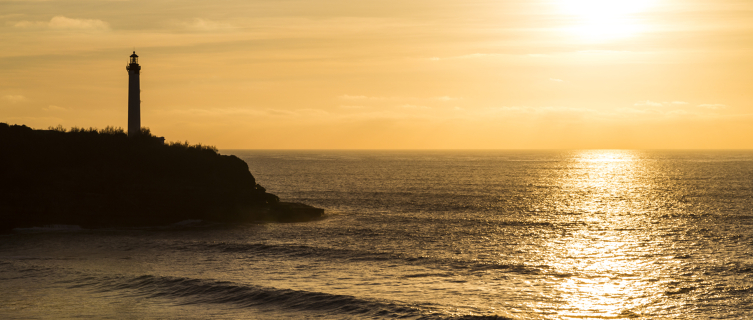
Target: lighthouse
134 96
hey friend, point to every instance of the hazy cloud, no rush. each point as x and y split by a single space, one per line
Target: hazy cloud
541 110
618 114
54 108
678 113
31 24
367 98
389 115
414 107
603 51
4 16
14 98
61 22
239 112
351 97
556 80
312 112
446 98
466 56
648 103
214 112
198 24
634 111
712 106
64 23
477 55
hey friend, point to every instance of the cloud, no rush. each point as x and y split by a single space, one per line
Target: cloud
353 107
556 80
60 22
311 112
350 97
634 111
603 51
521 113
541 110
64 23
240 112
366 98
611 115
30 24
198 24
648 103
216 112
280 112
467 56
477 55
414 107
14 98
678 113
54 108
10 16
712 106
389 115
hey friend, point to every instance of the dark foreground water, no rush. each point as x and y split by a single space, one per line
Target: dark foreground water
423 235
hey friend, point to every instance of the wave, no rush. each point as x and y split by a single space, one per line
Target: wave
49 228
304 251
188 291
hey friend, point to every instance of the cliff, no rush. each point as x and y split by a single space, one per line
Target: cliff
101 178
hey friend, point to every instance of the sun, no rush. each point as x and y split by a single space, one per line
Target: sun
597 8
604 19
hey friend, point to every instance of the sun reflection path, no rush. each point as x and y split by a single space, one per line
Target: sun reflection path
609 253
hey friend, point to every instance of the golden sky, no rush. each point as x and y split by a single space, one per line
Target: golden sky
415 74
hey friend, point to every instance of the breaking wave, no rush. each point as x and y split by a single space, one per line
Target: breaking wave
202 291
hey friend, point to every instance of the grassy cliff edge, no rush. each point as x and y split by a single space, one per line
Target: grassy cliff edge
103 178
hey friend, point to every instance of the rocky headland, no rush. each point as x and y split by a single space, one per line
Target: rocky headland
104 178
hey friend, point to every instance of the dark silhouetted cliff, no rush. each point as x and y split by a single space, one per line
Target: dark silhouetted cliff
99 178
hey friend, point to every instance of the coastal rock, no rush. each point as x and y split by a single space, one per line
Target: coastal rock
99 178
294 212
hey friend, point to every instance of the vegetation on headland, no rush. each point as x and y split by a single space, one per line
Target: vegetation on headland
101 178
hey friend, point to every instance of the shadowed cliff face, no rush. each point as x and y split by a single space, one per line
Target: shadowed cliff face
104 178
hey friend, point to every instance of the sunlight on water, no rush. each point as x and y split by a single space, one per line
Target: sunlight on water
599 186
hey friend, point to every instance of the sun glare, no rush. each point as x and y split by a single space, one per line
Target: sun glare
596 8
604 19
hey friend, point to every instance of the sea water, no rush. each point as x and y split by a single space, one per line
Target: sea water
591 234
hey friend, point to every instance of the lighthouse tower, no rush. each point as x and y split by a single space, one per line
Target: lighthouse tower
134 96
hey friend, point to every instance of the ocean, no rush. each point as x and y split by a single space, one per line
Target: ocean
577 234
